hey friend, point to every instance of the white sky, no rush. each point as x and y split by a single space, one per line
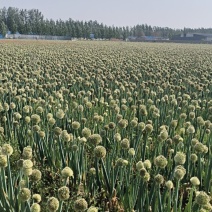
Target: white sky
164 13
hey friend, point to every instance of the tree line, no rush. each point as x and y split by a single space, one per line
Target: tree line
33 22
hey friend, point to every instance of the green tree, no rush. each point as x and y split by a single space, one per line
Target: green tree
12 18
3 29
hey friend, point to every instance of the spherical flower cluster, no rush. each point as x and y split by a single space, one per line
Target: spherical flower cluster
39 110
117 137
199 147
74 148
24 194
36 175
203 210
125 143
148 128
6 106
143 110
207 131
27 164
200 121
134 123
123 123
36 128
29 133
100 151
131 152
180 158
86 132
35 207
143 172
60 114
27 119
139 165
65 136
187 124
20 163
146 177
124 107
192 115
1 130
80 108
17 116
67 172
159 179
22 184
57 131
12 105
205 149
75 125
162 128
53 204
35 119
26 109
27 167
141 126
194 141
160 161
82 140
125 162
96 118
119 117
183 116
147 164
3 161
92 209
171 151
207 207
195 181
190 129
112 125
182 131
41 134
179 172
163 135
36 197
173 124
89 105
80 205
202 198
193 158
177 139
63 193
95 139
120 162
169 184
7 149
92 171
208 124
51 121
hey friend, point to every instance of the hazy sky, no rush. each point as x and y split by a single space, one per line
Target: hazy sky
164 13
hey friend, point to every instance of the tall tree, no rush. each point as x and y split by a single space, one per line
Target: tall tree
32 22
3 28
12 18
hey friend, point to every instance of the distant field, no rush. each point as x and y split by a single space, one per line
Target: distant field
105 126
